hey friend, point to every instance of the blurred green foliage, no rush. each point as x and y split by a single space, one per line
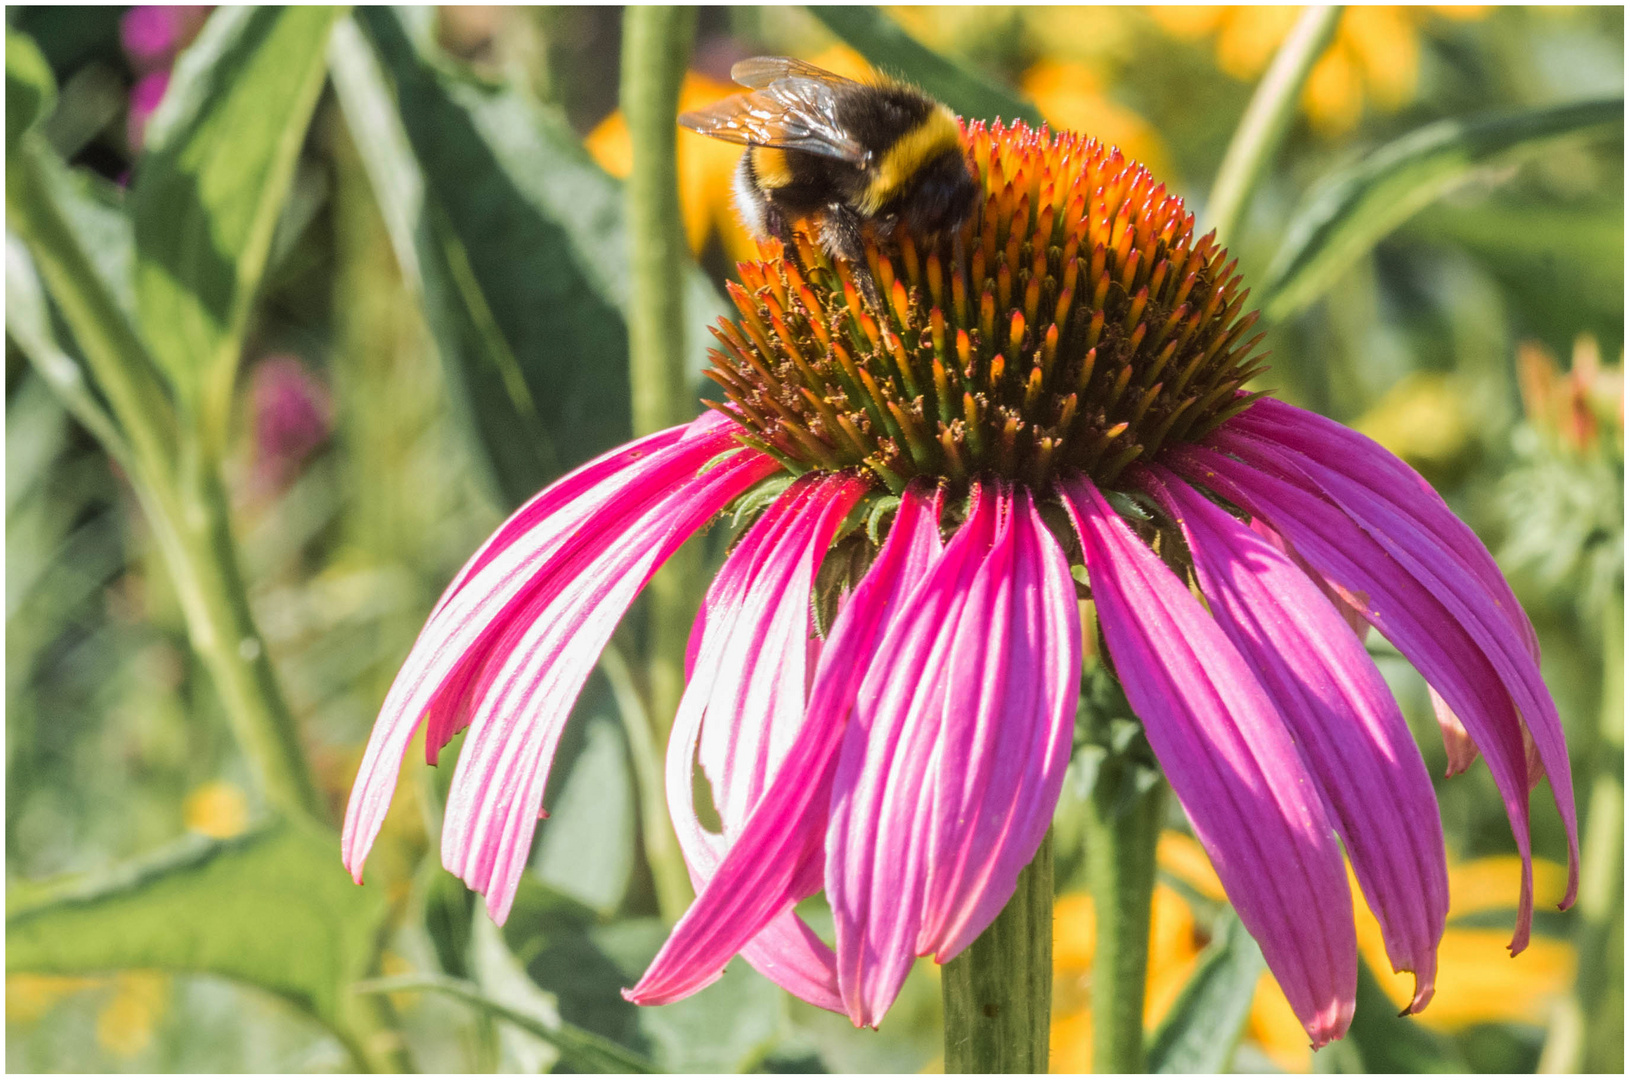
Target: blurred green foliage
400 201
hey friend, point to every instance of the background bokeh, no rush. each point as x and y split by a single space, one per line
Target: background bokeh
368 454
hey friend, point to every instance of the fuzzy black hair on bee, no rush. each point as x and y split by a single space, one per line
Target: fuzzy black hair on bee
841 155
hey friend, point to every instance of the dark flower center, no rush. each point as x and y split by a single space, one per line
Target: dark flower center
1073 323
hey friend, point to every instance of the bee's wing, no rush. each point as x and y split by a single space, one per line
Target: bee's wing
792 113
761 71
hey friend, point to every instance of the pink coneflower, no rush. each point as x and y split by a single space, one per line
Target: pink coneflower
292 418
1059 385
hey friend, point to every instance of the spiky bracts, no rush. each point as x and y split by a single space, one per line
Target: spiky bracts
1074 323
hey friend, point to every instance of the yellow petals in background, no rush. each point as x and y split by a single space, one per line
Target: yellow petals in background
1375 58
1477 982
217 809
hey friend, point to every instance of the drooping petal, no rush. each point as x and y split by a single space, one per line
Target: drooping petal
748 679
1366 461
1352 735
1467 596
787 828
1351 605
497 790
1010 719
1411 618
505 586
952 766
1231 763
1457 744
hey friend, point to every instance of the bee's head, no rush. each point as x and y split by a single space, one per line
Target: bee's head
942 195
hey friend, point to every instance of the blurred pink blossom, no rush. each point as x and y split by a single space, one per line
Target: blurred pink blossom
292 416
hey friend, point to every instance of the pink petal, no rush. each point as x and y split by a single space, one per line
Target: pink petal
1352 736
507 586
1009 723
1411 617
1457 744
1231 763
748 680
1466 595
497 791
1351 605
950 772
1367 462
787 828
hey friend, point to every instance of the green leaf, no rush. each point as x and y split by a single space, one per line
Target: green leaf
30 88
1199 1033
531 236
79 242
583 1050
885 45
488 388
1348 212
220 154
272 908
28 323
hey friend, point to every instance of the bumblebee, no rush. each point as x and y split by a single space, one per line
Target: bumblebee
839 154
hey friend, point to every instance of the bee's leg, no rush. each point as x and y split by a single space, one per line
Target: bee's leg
843 234
778 225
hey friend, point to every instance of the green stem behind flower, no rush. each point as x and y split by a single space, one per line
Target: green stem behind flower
178 486
1587 1033
1122 827
1267 118
656 49
999 990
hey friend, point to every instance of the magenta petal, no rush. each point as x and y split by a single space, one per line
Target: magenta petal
786 829
507 584
1009 722
1338 708
1232 765
497 791
1411 618
1365 461
748 680
1467 595
950 772
1457 744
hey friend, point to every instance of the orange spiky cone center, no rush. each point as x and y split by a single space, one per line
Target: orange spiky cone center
1074 323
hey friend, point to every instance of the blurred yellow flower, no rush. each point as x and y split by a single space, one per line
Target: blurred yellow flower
1477 981
705 168
1071 98
1425 418
1375 56
125 1025
217 809
29 997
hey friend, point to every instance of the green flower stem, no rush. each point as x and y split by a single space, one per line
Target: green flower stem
662 853
1262 129
1120 839
204 564
656 49
999 991
1591 1022
179 489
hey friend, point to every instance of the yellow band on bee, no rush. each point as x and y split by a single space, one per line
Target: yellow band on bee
933 136
770 168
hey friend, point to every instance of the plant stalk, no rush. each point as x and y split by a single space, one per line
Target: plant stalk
656 50
1593 1017
1122 828
999 991
1262 129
